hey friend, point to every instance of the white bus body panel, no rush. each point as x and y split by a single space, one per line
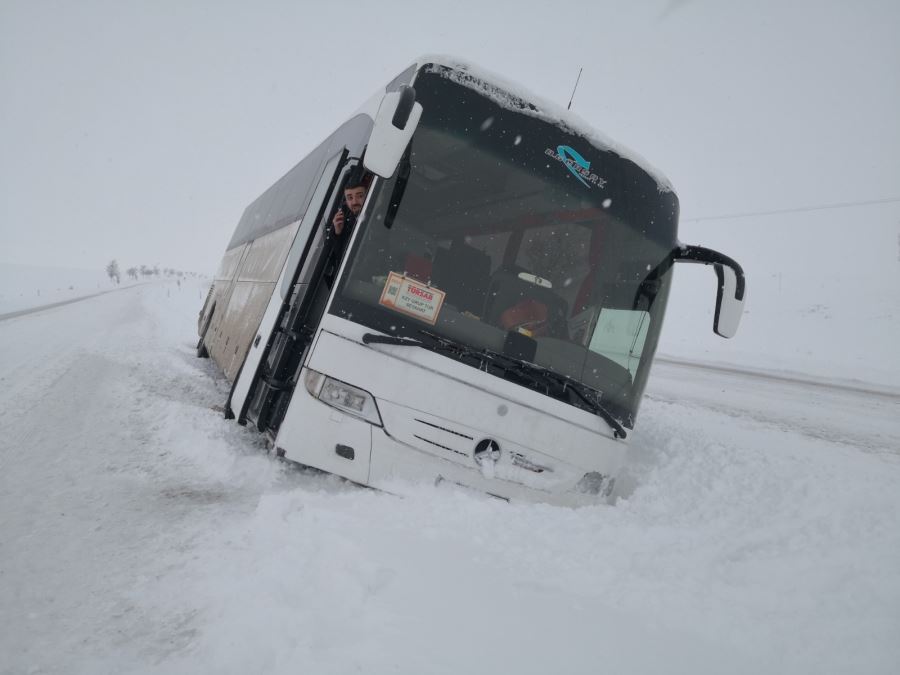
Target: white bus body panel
281 292
435 410
258 346
312 430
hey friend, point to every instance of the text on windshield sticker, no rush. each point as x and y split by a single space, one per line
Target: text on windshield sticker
408 296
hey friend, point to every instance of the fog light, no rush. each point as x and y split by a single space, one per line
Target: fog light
595 483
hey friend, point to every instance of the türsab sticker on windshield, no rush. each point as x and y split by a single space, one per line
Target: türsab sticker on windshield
410 297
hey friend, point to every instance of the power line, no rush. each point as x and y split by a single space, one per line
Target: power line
799 209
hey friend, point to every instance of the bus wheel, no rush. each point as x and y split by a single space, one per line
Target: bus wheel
202 352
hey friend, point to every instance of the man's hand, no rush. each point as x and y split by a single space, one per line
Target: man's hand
338 222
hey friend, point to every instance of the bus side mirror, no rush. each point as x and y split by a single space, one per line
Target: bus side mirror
729 307
731 291
396 121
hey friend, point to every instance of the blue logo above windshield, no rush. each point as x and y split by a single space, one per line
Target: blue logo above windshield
577 165
568 154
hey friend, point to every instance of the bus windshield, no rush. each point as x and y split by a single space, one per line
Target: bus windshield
499 222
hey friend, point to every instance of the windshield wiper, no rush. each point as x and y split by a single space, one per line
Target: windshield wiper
538 375
582 391
374 338
440 344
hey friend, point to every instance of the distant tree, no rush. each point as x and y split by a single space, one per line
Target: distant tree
146 271
156 270
132 272
112 271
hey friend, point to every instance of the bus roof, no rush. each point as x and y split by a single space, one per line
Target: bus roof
503 92
513 96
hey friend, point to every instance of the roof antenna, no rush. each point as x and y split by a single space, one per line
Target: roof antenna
574 88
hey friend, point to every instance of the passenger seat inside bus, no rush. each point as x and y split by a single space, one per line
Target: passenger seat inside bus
509 292
463 273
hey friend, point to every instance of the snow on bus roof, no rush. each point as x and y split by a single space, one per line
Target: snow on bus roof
513 96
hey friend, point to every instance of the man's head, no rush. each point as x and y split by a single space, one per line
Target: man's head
355 195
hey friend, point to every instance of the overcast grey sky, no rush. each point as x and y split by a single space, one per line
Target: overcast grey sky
140 130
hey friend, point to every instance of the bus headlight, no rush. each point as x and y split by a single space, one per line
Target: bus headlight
345 397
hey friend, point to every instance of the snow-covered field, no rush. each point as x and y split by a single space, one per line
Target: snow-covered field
757 530
26 286
816 305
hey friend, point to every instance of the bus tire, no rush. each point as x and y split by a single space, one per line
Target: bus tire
202 352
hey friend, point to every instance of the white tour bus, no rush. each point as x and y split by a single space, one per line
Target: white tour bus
491 318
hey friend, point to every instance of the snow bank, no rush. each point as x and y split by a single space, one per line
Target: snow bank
737 548
142 533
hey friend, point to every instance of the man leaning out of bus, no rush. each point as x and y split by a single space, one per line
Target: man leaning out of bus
354 195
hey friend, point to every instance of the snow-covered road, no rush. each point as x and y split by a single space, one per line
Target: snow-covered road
757 529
